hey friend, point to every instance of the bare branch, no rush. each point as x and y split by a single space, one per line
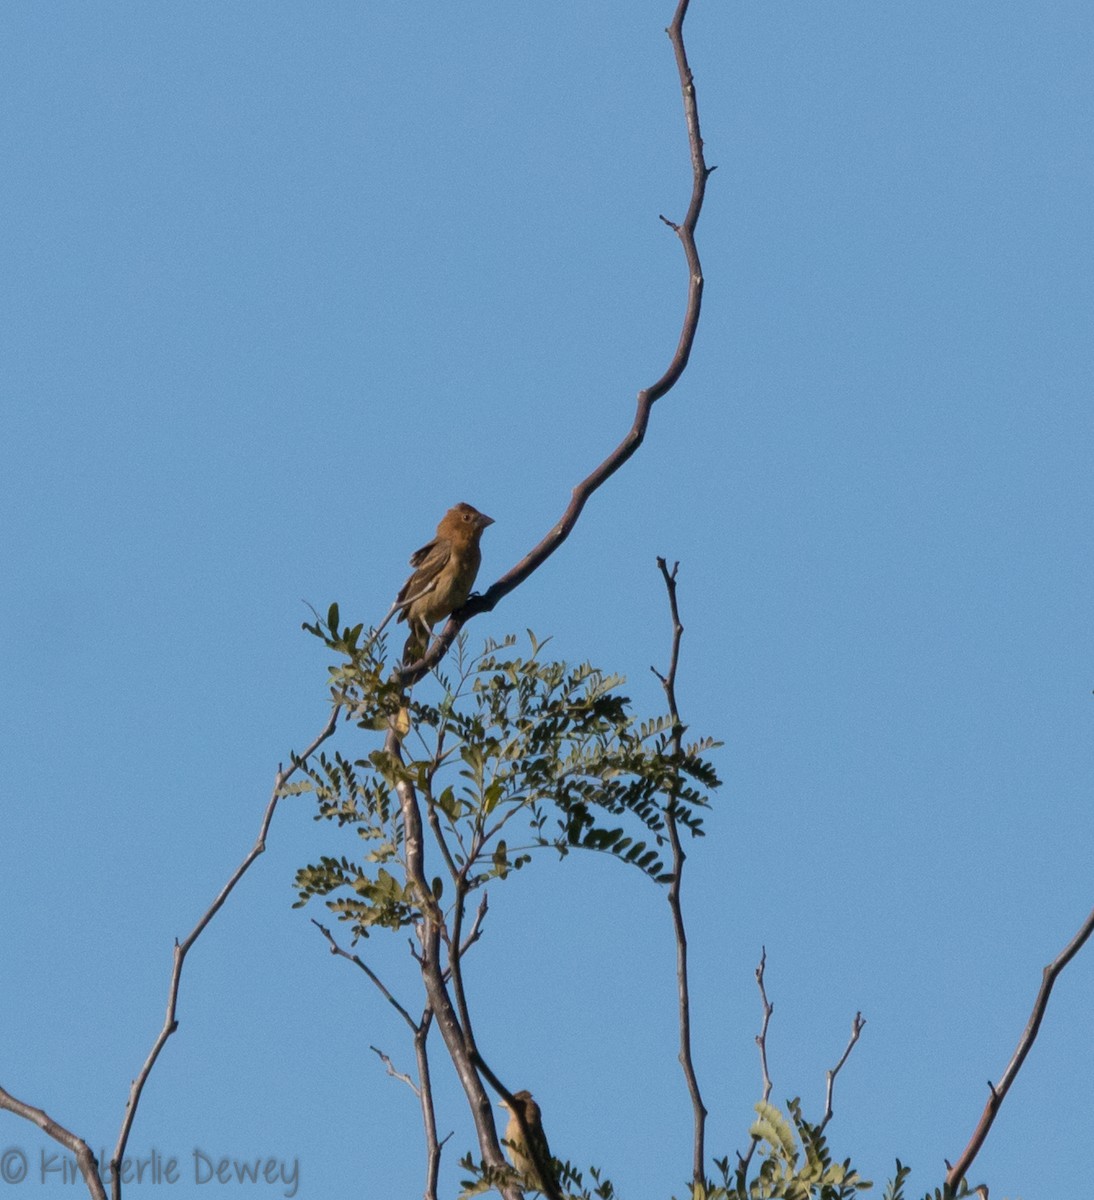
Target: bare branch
469 940
359 962
668 682
856 1029
768 1009
475 932
85 1159
685 230
438 833
761 1041
460 1048
454 971
998 1093
170 1023
396 1074
424 1088
429 1115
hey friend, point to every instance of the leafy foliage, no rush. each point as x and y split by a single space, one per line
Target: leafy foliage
484 1179
895 1189
518 754
795 1164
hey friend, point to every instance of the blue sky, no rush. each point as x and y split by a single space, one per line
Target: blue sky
283 282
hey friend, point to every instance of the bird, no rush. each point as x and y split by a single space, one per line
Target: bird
445 572
522 1158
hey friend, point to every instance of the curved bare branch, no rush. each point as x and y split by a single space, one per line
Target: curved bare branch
85 1159
649 396
998 1092
170 1022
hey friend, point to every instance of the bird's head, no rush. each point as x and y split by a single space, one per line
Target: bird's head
468 517
523 1101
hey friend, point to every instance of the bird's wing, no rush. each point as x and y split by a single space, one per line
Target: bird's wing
430 550
430 560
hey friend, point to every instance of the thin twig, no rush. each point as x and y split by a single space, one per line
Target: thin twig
768 1009
85 1159
475 932
359 962
472 937
856 1029
394 1073
438 834
668 682
454 971
761 1041
649 396
424 1088
182 948
997 1093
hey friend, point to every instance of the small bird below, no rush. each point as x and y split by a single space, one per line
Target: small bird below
445 573
519 1154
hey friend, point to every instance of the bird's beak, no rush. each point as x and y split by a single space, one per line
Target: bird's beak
484 520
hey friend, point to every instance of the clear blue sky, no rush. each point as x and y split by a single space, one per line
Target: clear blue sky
283 281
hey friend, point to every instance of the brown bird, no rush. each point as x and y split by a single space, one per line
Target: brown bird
446 570
523 1158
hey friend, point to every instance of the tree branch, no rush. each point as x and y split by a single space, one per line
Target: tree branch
410 672
438 834
668 682
454 971
400 1075
433 974
768 1009
85 1159
424 1088
761 1041
458 1038
475 932
998 1093
170 1023
429 1114
360 963
856 1029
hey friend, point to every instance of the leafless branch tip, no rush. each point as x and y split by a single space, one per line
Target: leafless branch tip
998 1093
856 1030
